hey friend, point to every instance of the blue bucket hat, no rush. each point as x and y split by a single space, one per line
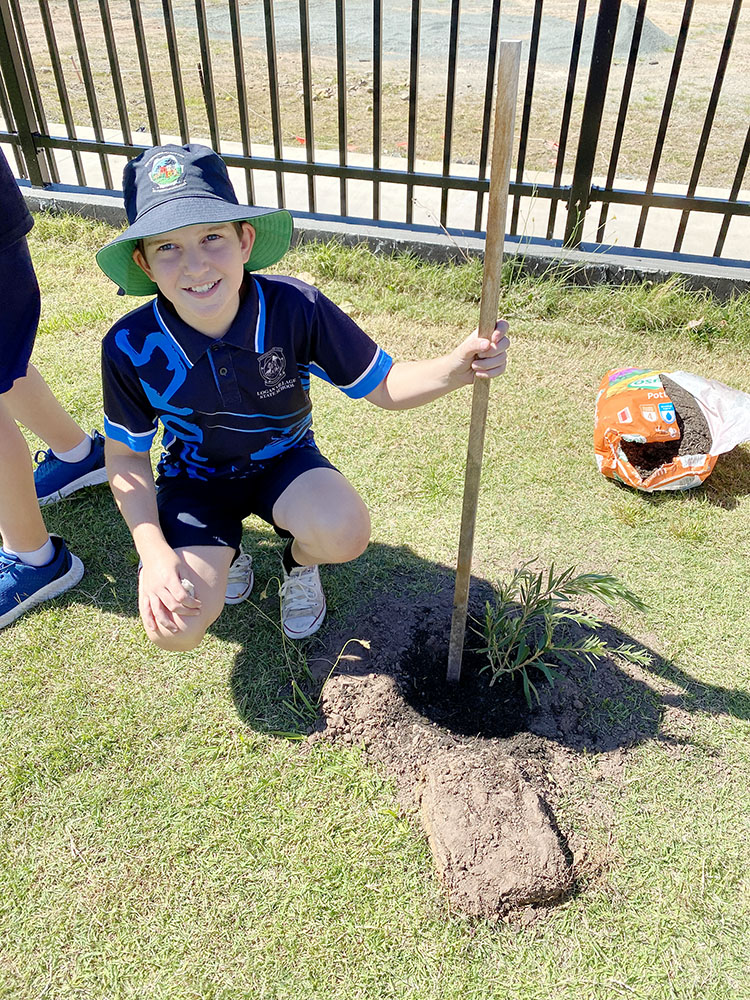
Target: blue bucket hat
168 187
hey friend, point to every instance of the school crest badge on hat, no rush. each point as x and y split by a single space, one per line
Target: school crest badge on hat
166 171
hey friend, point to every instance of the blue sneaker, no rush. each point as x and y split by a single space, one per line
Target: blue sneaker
55 479
22 587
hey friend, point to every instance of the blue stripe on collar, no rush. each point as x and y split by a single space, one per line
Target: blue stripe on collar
165 329
260 328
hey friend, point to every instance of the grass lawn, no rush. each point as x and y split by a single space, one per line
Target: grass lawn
159 838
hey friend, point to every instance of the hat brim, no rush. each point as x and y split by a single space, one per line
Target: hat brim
273 234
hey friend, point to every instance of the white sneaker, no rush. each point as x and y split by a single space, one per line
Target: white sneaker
303 603
240 579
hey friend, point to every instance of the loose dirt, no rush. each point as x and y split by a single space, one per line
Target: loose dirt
695 436
487 775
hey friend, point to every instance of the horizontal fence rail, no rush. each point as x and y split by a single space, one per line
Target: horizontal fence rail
633 121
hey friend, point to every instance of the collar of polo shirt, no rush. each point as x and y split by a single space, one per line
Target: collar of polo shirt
240 334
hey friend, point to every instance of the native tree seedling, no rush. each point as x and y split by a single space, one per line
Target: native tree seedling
527 626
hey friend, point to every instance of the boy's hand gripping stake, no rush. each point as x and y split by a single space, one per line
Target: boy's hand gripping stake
502 149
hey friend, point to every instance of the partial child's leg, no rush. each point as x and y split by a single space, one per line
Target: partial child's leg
329 523
326 517
207 568
75 459
32 403
21 523
33 566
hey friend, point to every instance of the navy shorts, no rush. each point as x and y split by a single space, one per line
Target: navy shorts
19 316
197 512
20 312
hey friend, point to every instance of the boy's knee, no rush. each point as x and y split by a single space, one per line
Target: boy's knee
189 636
177 642
344 533
358 535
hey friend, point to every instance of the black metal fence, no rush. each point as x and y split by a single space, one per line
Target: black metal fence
630 132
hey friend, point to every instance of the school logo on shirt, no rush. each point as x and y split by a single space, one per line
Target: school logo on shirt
272 366
166 171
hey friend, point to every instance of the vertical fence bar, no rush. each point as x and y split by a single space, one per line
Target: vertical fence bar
148 89
239 79
735 190
20 97
205 72
7 113
593 108
304 33
526 117
627 88
88 83
273 88
33 85
62 90
450 93
341 80
665 114
562 144
709 120
489 90
411 147
114 68
377 87
174 63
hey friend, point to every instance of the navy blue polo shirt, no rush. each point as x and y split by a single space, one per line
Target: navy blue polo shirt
228 404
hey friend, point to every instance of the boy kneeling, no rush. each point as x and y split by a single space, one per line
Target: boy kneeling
223 358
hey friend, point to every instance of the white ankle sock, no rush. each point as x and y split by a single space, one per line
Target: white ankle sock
37 557
77 454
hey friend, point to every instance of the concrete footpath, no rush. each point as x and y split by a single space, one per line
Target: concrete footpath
614 261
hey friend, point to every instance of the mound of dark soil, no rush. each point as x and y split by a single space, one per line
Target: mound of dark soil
472 707
483 769
695 434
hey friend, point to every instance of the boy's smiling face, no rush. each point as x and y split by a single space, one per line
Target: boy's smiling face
200 270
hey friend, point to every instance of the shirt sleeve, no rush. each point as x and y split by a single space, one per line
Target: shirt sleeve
343 354
128 416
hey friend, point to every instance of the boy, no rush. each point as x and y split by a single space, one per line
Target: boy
34 566
223 359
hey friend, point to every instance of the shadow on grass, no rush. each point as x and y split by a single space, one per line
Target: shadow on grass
94 530
730 479
725 487
390 612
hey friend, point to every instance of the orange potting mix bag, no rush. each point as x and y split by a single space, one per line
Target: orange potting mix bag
658 430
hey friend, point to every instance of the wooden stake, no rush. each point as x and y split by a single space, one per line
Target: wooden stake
502 149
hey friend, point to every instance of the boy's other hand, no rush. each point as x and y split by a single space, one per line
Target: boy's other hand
164 593
480 357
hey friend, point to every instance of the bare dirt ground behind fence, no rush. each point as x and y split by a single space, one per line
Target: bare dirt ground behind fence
541 166
699 68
